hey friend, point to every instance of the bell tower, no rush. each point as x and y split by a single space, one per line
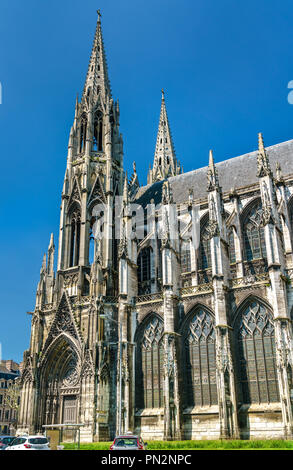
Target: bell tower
93 179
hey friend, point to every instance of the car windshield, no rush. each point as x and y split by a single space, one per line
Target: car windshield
126 441
38 440
6 440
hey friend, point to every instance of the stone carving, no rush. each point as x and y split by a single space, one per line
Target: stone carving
152 333
201 328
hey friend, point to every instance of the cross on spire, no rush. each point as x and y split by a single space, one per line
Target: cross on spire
97 79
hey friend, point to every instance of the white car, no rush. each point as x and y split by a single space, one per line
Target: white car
29 443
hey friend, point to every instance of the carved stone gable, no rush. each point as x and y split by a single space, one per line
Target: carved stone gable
97 191
62 323
75 193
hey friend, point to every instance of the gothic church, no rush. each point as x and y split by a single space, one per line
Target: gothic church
171 333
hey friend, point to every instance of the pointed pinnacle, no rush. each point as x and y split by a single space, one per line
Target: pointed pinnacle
260 143
211 159
51 244
263 164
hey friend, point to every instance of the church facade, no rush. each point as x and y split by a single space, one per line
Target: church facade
170 313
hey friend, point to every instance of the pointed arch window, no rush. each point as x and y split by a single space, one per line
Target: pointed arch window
98 132
83 129
254 239
200 360
144 271
255 345
75 238
150 360
185 257
231 241
205 247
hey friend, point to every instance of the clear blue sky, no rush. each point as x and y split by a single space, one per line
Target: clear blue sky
225 66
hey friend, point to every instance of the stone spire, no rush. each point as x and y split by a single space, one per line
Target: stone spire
97 79
263 164
165 162
212 174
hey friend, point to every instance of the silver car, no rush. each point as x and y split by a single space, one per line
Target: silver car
128 442
29 443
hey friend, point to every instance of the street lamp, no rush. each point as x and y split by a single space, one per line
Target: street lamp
103 316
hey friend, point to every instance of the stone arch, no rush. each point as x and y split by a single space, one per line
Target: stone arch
255 353
252 231
59 375
198 350
74 223
205 244
149 362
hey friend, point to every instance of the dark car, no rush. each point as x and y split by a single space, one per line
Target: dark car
5 441
128 442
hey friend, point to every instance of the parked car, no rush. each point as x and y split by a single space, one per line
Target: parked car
5 440
128 442
29 443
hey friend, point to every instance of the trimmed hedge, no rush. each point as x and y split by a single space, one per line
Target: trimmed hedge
184 445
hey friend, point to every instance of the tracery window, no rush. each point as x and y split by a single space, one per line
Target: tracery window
185 258
254 239
150 359
200 360
144 270
231 241
75 238
83 129
98 132
205 247
255 344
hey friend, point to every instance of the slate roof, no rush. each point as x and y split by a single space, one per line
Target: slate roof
7 374
236 172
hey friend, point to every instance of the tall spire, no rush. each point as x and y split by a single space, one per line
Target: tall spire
97 79
165 162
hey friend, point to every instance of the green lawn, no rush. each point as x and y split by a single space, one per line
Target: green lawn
207 445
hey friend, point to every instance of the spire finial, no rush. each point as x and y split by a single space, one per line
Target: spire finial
97 80
163 94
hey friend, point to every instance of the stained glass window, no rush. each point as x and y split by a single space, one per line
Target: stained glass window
205 248
200 360
254 239
185 256
150 359
231 241
255 342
